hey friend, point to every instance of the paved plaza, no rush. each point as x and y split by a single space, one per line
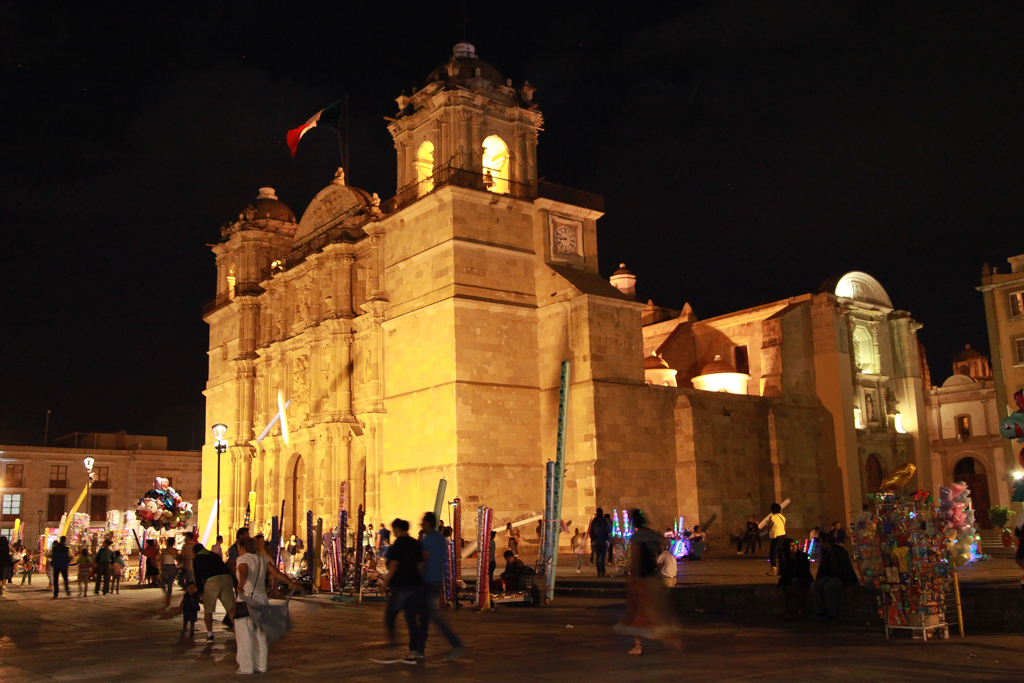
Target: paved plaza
128 637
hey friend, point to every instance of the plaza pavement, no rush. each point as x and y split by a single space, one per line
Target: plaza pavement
128 637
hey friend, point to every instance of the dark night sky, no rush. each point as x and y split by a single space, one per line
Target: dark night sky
747 152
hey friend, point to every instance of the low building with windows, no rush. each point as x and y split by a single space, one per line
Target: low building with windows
1003 294
38 484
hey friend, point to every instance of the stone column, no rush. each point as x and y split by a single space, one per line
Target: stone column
400 153
465 122
519 171
345 285
477 142
436 139
531 156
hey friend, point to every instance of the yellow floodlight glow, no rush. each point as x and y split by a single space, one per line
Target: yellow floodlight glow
728 382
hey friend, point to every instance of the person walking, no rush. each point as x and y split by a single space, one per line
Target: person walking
579 548
513 538
404 581
834 572
492 563
60 561
6 563
435 557
383 540
777 534
600 533
28 566
84 564
168 569
103 559
233 551
189 607
152 554
214 582
252 571
187 553
116 572
647 599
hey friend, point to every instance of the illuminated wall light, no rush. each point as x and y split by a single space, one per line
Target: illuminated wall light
898 422
728 382
858 421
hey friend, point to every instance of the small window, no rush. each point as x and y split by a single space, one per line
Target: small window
1018 351
1017 304
742 361
55 506
11 506
98 509
7 533
58 476
963 425
14 476
101 481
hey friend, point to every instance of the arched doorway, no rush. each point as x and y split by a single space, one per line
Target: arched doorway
972 472
294 495
425 168
872 474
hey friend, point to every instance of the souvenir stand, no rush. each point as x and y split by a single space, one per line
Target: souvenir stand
909 549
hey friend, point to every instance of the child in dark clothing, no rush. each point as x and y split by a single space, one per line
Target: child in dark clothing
190 604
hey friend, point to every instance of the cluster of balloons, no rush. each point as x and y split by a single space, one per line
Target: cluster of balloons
163 508
955 508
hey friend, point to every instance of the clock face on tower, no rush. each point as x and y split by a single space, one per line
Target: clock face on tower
565 240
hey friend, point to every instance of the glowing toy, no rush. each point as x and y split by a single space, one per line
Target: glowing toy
899 478
282 406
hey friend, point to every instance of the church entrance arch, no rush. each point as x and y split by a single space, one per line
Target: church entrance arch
971 471
873 474
294 496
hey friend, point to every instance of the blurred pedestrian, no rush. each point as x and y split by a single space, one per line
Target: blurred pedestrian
600 533
117 571
435 557
6 563
252 571
60 561
168 569
189 609
648 611
777 534
404 581
103 559
794 577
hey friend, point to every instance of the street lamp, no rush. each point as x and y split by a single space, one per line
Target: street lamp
88 462
220 444
40 513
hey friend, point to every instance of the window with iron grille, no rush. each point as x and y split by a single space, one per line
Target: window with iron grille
1016 304
55 506
1018 351
14 476
58 476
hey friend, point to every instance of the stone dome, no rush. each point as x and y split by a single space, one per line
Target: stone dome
335 204
968 353
462 66
958 381
862 287
717 366
268 206
623 270
655 362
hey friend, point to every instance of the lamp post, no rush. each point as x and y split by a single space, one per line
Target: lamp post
220 444
88 462
40 513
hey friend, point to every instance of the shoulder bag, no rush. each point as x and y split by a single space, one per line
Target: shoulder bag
242 608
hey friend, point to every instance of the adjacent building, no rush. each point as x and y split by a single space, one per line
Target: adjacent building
41 483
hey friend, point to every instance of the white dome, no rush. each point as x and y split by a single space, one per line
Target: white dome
862 287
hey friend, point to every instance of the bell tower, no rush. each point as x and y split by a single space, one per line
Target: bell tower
467 121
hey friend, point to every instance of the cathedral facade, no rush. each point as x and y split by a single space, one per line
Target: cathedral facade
421 338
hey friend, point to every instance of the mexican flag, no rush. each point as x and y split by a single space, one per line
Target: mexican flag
328 118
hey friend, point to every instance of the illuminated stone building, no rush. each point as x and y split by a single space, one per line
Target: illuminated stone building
963 428
421 337
813 398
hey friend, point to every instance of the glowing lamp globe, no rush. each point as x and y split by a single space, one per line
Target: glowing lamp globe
89 462
718 375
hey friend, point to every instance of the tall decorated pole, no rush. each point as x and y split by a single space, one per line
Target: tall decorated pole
554 515
483 533
456 576
442 487
310 544
357 581
342 534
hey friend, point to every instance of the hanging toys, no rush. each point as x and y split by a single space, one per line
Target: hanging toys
163 508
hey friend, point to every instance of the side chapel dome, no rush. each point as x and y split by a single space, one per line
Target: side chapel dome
268 206
462 66
334 205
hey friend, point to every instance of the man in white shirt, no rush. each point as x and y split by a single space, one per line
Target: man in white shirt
216 549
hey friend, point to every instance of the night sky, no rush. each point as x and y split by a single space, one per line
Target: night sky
747 152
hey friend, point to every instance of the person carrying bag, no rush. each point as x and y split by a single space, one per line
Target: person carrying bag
253 612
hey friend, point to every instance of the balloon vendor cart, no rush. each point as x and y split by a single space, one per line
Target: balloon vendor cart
909 549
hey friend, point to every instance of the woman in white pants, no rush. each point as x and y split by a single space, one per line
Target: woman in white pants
252 569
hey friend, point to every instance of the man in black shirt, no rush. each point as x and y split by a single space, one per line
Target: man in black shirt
404 578
214 582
